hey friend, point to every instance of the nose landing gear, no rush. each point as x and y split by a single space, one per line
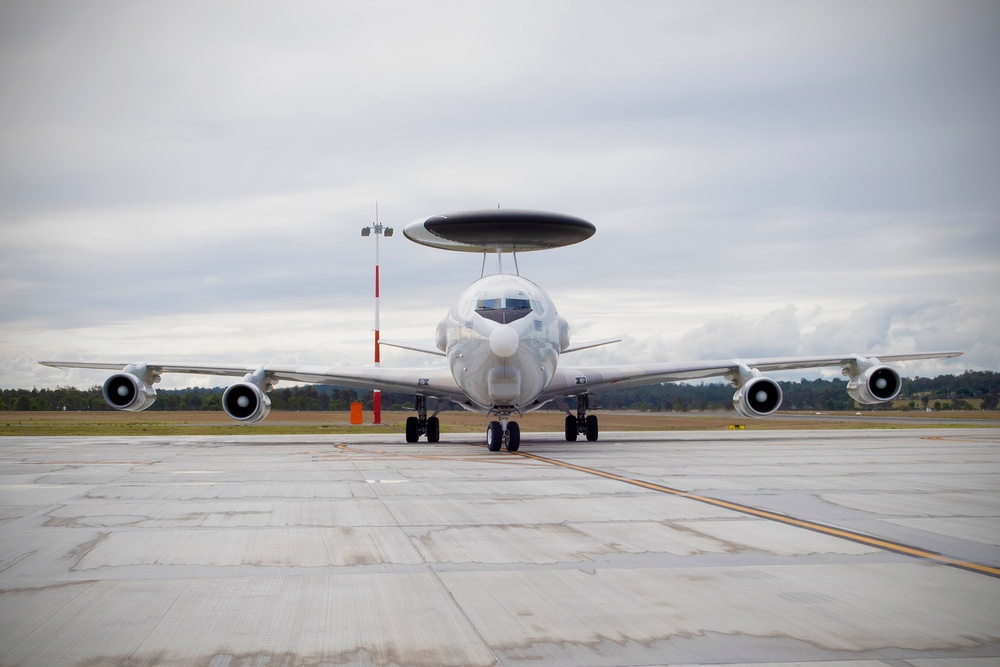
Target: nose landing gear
503 433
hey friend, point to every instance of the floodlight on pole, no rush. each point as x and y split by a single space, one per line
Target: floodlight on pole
378 229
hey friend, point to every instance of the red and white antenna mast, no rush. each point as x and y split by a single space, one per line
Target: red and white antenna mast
378 229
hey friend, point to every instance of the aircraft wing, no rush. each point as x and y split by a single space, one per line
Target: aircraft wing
571 381
433 382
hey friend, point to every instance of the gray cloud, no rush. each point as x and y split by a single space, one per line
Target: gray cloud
189 179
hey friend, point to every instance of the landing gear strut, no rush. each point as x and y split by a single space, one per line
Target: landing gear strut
422 424
503 433
581 423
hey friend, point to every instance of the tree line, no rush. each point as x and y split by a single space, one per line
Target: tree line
968 391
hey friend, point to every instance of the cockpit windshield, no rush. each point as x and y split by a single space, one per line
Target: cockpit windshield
489 304
518 304
503 309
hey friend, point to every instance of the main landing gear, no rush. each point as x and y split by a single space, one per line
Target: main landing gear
503 433
581 423
422 424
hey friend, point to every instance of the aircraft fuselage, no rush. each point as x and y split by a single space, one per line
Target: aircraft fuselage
503 338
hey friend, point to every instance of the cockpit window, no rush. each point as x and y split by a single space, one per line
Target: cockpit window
503 310
509 304
489 304
518 304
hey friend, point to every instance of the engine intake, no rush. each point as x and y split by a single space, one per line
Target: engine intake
124 391
877 384
246 402
759 397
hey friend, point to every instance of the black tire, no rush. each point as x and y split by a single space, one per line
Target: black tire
412 429
433 429
494 436
513 436
592 428
571 428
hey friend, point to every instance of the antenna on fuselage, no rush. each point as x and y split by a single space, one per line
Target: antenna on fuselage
499 251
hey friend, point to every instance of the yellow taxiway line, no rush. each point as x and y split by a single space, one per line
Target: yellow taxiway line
861 538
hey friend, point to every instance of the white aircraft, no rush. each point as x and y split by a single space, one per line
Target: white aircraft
504 341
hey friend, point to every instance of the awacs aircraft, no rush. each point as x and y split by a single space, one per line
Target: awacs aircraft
504 342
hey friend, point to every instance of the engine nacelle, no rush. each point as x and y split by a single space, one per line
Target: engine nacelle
759 397
877 384
246 402
124 391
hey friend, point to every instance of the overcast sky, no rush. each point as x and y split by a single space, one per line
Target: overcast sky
187 181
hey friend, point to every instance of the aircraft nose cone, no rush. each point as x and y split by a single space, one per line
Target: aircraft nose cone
503 341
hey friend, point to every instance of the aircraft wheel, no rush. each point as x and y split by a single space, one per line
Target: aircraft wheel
433 429
570 428
513 436
592 428
412 425
494 436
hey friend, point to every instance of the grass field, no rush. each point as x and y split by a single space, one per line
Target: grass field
217 423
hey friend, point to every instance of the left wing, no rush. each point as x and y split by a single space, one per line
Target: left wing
871 381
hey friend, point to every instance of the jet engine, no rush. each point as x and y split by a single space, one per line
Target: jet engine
877 384
759 397
246 402
124 391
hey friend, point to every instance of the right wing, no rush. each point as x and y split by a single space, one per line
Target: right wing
432 382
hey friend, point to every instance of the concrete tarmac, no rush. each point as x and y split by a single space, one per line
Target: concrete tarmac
847 548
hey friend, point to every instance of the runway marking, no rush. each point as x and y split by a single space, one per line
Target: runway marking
444 454
957 438
86 463
842 533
